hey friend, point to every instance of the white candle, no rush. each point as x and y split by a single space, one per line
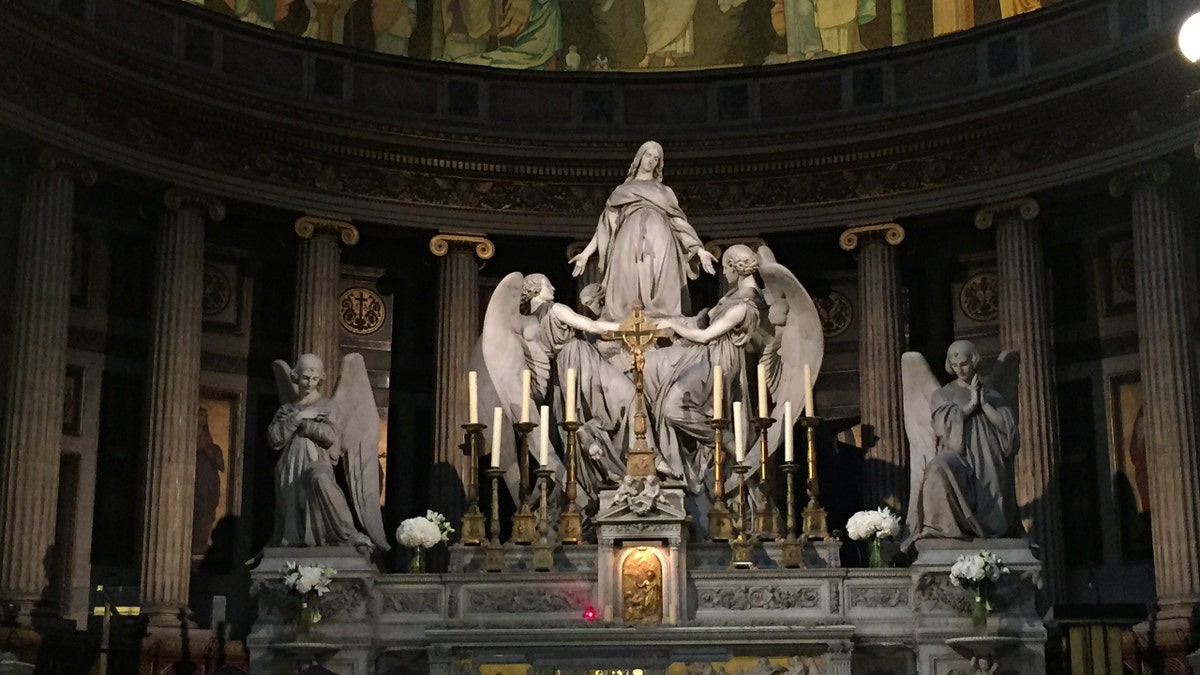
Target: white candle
526 386
544 447
762 390
473 397
810 408
570 412
789 450
739 449
497 420
718 393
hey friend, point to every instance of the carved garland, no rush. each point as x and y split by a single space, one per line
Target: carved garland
747 598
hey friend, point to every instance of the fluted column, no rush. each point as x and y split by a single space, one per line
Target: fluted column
1166 350
37 372
174 396
458 321
318 270
880 346
1025 328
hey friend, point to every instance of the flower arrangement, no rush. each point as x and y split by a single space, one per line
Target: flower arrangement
421 533
979 572
872 526
310 582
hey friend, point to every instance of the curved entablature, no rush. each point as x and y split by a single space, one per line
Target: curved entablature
1073 91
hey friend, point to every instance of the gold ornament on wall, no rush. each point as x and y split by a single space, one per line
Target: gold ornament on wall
979 297
361 310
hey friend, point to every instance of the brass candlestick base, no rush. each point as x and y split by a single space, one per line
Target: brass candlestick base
743 544
570 522
815 526
720 522
767 525
793 546
524 528
543 549
543 556
473 528
570 525
792 554
493 560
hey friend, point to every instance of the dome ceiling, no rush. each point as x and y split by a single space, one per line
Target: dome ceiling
621 34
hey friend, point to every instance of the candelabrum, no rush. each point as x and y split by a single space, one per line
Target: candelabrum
815 519
766 521
743 543
493 560
472 522
524 528
793 546
720 520
543 549
570 523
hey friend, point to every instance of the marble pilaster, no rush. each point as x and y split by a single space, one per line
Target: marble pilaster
1025 327
1166 350
457 331
174 397
318 270
880 345
37 374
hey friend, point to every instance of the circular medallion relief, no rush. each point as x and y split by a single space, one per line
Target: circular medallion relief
979 297
362 311
217 291
836 313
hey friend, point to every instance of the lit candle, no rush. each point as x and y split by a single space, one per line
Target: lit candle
789 450
810 407
544 447
473 397
739 448
718 393
762 389
570 412
497 420
526 386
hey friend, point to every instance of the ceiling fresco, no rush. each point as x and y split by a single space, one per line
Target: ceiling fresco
620 34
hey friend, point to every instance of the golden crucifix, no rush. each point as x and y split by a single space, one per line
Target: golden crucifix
638 333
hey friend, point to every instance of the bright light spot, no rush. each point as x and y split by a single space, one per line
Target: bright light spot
1189 38
589 614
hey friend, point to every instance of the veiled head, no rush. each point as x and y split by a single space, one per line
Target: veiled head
962 359
738 261
652 154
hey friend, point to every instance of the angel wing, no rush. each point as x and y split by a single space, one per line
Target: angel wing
288 391
796 339
1005 377
917 384
358 421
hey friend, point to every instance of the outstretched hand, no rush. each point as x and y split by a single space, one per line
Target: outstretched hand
707 260
580 263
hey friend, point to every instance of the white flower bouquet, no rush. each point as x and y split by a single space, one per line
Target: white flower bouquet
310 582
421 533
873 524
979 572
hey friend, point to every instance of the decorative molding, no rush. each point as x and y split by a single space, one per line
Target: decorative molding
440 244
1145 175
718 246
892 233
523 600
307 226
1025 207
889 597
180 199
748 598
414 602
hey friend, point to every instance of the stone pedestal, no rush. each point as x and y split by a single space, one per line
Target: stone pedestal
174 396
318 270
38 362
1025 328
1166 350
885 469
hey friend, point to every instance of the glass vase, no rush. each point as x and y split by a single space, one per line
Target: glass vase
875 554
980 609
416 560
307 615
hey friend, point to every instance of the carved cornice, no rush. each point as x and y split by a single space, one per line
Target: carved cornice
307 226
1146 175
1025 207
440 244
181 199
892 233
53 159
718 246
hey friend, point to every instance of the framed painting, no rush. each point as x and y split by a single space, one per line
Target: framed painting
218 466
1127 455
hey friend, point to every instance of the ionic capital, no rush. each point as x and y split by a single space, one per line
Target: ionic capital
1146 175
1026 208
53 159
307 226
179 199
440 244
892 233
717 246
